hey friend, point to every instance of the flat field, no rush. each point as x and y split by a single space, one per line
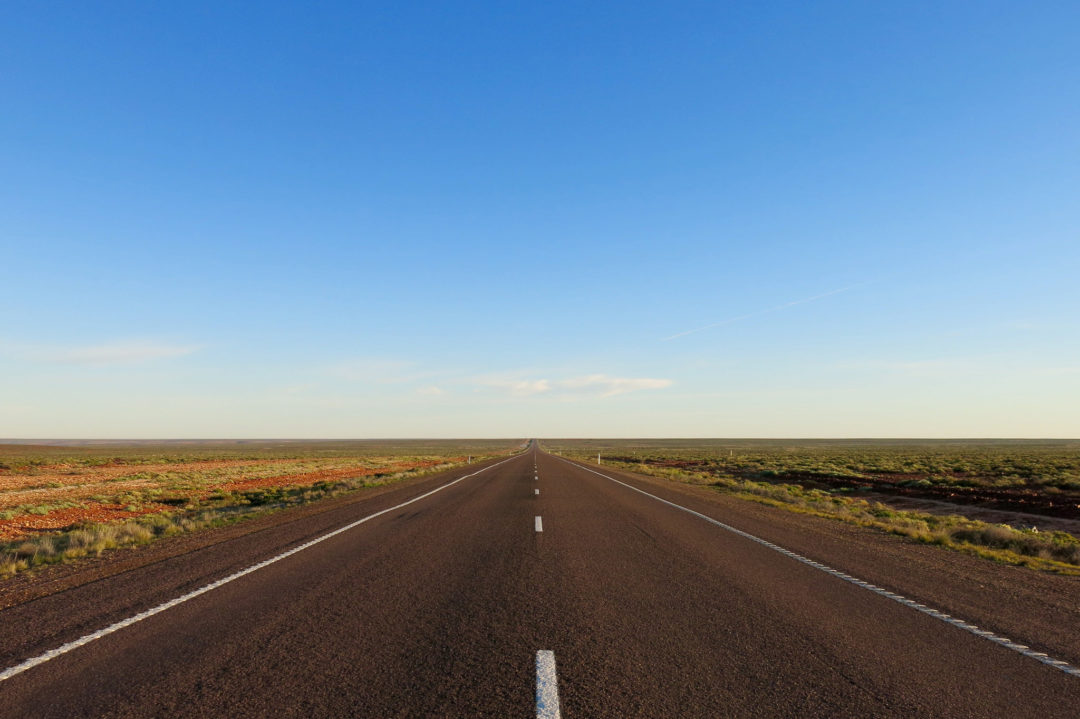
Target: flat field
157 487
1016 500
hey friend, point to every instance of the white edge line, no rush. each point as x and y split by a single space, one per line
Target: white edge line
547 686
929 611
81 641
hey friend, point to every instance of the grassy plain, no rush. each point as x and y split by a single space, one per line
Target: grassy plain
65 500
865 481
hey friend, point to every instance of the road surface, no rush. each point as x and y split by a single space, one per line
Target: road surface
533 586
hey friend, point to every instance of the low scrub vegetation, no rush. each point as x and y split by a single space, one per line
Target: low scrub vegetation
95 538
1056 551
1053 551
1032 464
194 489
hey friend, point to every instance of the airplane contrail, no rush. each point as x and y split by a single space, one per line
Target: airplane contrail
729 320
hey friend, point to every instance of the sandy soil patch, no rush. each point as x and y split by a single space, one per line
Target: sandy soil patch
70 474
26 524
81 487
308 478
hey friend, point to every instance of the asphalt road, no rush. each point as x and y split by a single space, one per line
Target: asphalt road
439 607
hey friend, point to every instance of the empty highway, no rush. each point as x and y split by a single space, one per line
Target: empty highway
533 586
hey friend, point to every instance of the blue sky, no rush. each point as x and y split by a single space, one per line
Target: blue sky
478 219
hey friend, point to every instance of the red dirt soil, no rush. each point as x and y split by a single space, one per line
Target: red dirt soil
69 474
27 524
308 478
64 518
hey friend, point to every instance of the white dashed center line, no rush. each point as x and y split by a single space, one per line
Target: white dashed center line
547 686
539 525
84 640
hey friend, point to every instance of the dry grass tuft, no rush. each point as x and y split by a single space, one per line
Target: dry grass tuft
223 507
1057 552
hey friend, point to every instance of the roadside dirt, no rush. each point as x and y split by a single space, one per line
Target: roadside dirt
81 486
74 493
308 478
1017 506
27 524
71 474
1019 520
51 579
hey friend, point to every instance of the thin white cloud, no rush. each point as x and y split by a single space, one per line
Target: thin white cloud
610 386
784 306
599 385
105 354
431 391
518 387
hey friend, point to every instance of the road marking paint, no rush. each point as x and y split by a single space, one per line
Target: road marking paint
84 640
958 623
547 686
536 491
539 525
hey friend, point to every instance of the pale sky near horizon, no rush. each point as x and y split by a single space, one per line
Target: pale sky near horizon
708 219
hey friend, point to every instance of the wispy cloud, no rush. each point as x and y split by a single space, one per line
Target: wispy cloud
610 386
516 387
421 382
104 354
599 385
747 316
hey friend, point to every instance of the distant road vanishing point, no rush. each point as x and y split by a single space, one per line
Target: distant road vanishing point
535 586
